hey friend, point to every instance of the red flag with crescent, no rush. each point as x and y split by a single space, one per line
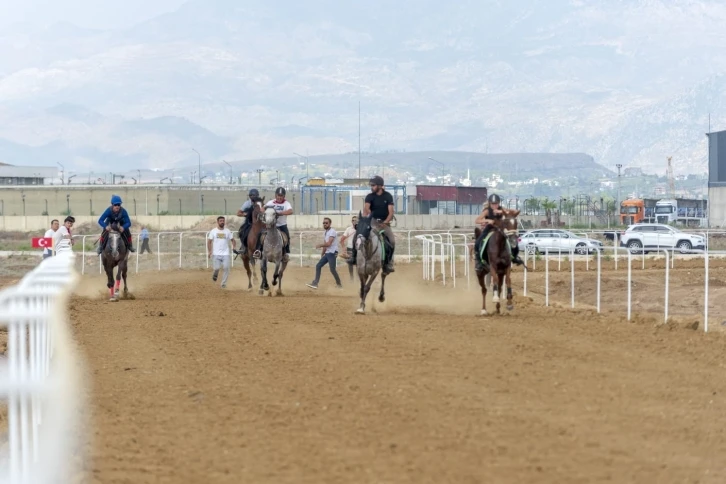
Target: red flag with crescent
41 242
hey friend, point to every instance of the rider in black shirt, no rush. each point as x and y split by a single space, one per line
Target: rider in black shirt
379 204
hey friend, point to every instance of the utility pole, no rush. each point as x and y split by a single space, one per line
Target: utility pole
200 165
358 141
617 202
63 170
259 176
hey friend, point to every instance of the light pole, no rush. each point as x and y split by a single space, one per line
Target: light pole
63 170
259 176
200 165
139 172
617 202
307 163
230 171
443 167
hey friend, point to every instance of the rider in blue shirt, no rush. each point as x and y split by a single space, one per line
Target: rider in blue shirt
115 217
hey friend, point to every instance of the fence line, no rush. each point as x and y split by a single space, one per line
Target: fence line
39 376
433 244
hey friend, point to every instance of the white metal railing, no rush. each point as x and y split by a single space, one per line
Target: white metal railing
439 247
39 376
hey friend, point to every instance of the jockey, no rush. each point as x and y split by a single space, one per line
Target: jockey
283 209
379 204
118 218
246 212
491 212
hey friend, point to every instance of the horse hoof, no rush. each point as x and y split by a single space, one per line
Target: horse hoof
495 299
509 307
382 299
113 299
360 311
483 313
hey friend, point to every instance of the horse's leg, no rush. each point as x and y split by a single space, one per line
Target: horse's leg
263 276
282 271
494 277
246 263
508 282
482 284
118 278
366 289
275 274
382 295
109 276
126 287
500 282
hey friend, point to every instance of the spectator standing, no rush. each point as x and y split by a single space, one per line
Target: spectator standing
50 233
144 241
329 254
63 239
348 239
218 249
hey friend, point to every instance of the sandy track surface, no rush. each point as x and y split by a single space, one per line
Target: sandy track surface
190 383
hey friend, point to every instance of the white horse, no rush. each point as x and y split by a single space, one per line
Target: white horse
273 246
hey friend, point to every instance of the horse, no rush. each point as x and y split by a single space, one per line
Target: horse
499 257
115 254
250 243
272 251
369 259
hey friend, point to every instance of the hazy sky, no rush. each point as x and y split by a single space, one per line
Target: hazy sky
100 14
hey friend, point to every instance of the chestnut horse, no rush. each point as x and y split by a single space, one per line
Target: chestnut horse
497 265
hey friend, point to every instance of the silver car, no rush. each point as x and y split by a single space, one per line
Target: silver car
556 240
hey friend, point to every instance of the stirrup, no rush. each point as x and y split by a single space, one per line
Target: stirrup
256 254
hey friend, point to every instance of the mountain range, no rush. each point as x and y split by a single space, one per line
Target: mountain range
625 81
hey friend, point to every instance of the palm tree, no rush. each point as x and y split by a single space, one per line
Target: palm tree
548 206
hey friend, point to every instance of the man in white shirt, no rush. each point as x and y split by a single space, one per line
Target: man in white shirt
63 239
218 249
348 238
283 209
329 254
54 224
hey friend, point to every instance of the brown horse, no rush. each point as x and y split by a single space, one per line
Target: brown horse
251 240
499 259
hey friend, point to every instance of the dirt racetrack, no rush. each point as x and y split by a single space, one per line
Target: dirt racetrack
194 384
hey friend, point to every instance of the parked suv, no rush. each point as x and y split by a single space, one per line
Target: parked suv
640 237
555 240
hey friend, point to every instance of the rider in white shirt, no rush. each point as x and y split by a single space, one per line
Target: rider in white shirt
283 209
63 239
218 249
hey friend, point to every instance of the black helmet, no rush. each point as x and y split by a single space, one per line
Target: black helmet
377 180
254 193
494 198
280 191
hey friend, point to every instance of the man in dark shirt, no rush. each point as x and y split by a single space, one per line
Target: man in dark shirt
379 204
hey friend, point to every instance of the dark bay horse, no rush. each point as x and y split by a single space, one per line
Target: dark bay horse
250 242
115 254
369 260
502 236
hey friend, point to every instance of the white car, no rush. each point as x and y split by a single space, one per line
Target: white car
556 240
639 238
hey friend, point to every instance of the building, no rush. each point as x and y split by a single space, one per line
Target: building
449 200
26 175
717 179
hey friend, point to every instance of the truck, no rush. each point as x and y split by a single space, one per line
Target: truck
674 211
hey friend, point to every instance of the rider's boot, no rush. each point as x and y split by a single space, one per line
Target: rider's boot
100 246
131 246
389 264
515 256
257 254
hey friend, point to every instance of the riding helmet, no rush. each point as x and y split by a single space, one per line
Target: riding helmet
254 193
494 198
377 180
115 199
280 191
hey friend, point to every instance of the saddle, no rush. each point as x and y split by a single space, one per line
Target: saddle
483 257
263 235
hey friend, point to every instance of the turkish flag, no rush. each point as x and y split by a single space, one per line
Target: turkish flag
41 242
